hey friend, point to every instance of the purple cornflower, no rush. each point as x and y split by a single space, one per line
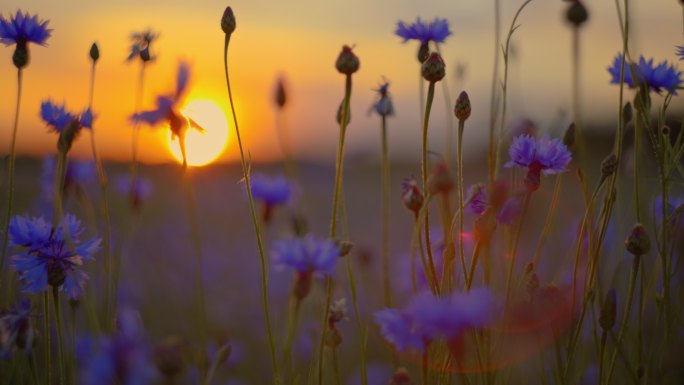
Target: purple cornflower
140 45
22 29
167 108
427 318
78 174
436 30
138 190
383 106
307 255
58 118
272 190
657 78
46 257
15 329
477 199
540 155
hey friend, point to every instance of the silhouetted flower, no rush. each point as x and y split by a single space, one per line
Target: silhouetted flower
140 45
22 29
658 78
167 109
47 258
436 30
16 330
307 255
680 52
383 106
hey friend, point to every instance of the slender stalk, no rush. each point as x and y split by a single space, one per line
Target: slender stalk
424 171
292 321
473 265
336 366
459 177
46 332
449 117
10 180
215 364
494 102
602 353
199 263
136 124
33 367
549 220
255 222
357 317
514 249
60 340
385 215
102 179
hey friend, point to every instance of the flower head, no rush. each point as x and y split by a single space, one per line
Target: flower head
137 190
307 255
15 329
23 28
477 199
272 190
550 156
383 106
77 175
45 256
411 194
140 45
436 30
657 78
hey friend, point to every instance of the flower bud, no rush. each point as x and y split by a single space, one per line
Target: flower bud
607 316
638 243
94 52
577 13
338 311
280 96
345 247
532 283
423 53
347 62
411 195
228 21
145 55
609 165
569 136
462 108
401 377
433 69
168 356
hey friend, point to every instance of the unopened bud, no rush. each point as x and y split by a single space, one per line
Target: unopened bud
228 21
333 338
347 62
20 58
338 311
145 55
401 377
609 165
607 317
638 242
168 356
569 136
280 96
462 108
345 247
94 52
577 13
411 195
433 69
532 283
423 53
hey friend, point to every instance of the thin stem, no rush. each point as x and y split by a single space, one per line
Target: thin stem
340 156
46 333
60 340
10 180
33 367
199 263
549 220
459 177
255 221
449 117
602 352
424 171
637 140
385 215
215 364
473 265
516 241
292 321
359 326
494 105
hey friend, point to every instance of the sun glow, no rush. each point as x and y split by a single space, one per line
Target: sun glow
202 147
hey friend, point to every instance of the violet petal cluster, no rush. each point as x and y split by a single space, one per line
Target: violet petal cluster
306 255
658 78
23 28
272 190
436 30
549 156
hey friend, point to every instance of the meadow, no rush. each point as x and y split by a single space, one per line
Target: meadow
549 256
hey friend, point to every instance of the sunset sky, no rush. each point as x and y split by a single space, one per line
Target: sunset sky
300 40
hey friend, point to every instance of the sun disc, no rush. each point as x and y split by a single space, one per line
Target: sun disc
202 147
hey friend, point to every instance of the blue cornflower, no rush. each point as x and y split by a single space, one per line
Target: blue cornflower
550 156
167 109
383 106
272 190
47 258
307 255
140 45
23 28
658 78
436 30
427 318
138 190
16 329
58 118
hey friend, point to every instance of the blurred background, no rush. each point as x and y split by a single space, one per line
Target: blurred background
300 40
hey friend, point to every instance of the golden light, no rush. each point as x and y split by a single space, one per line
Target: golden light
202 147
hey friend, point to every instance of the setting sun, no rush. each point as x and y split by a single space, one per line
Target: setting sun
203 147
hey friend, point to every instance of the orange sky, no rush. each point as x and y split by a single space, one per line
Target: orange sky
301 39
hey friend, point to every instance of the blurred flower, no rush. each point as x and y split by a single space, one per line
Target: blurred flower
338 311
16 329
78 174
383 106
307 255
22 29
140 45
376 373
272 190
680 52
511 210
436 30
657 78
427 318
47 258
58 118
137 191
477 199
120 359
167 109
411 194
539 155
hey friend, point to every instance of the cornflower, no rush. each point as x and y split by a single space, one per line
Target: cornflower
22 29
540 156
656 78
16 330
140 45
272 191
49 256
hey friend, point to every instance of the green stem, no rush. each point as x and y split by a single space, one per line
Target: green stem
602 351
459 177
385 215
516 241
424 171
46 334
199 279
359 326
255 222
473 265
494 105
34 369
215 364
549 220
60 340
449 117
10 181
292 321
